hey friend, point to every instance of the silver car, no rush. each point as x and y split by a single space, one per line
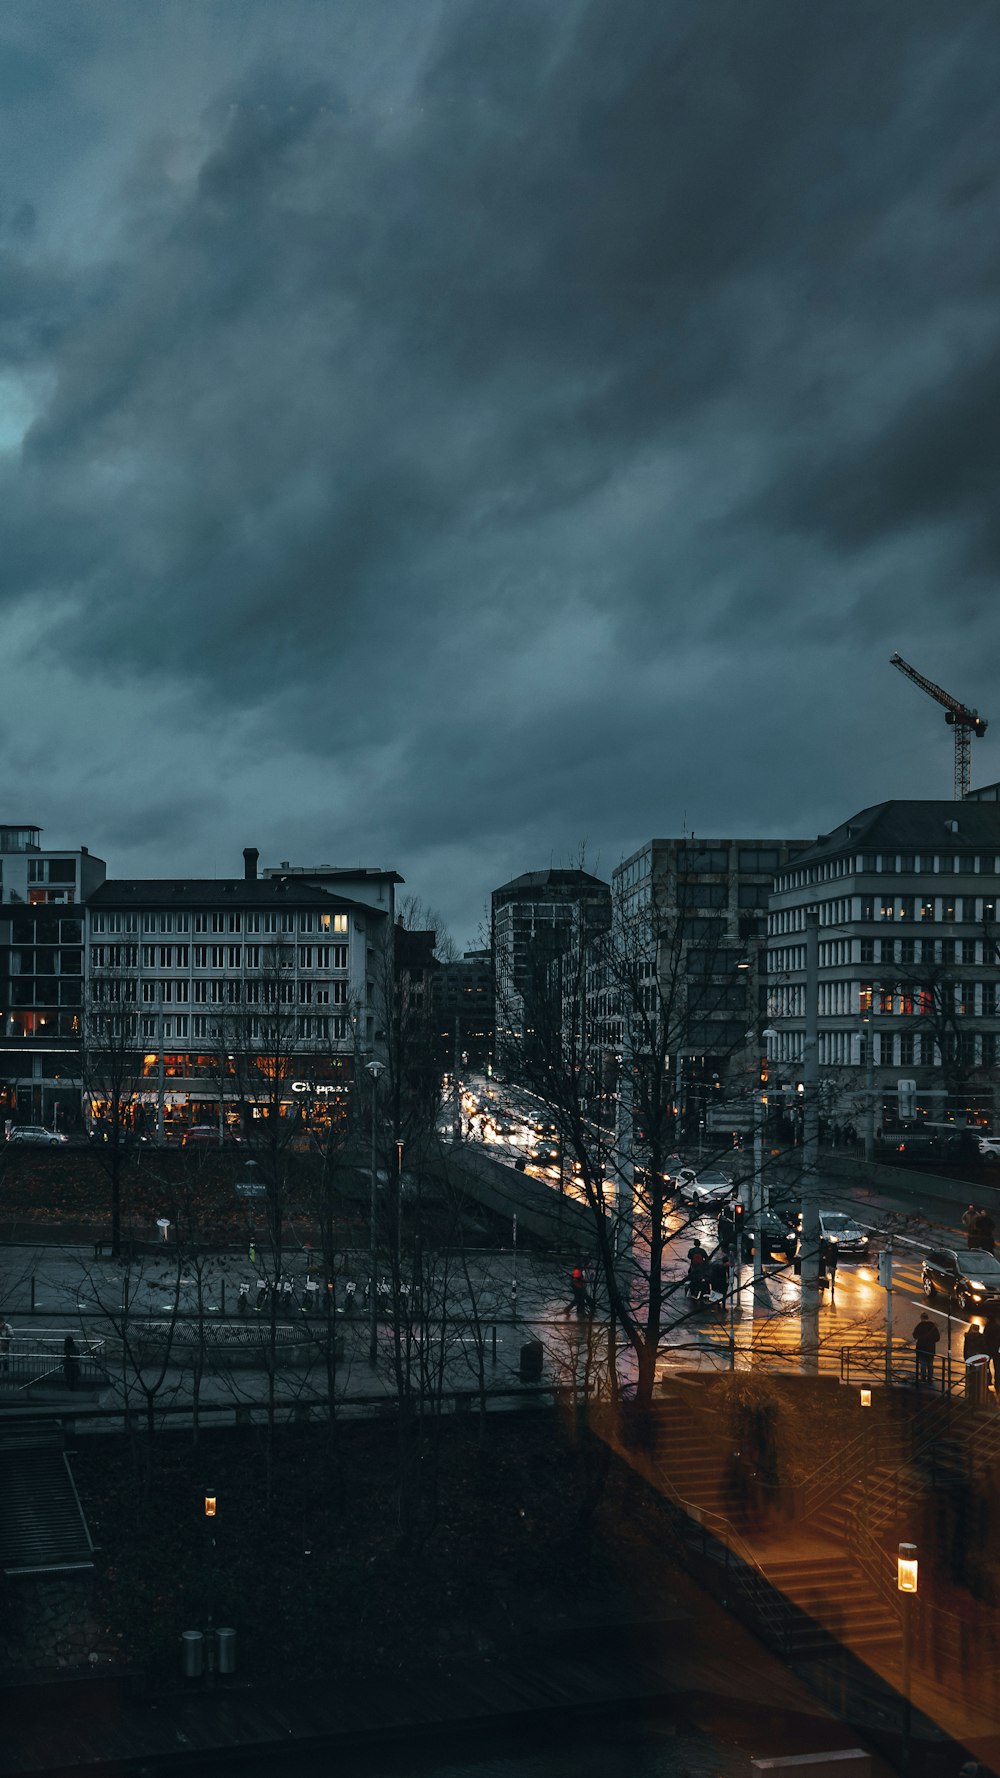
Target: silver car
36 1135
851 1239
710 1187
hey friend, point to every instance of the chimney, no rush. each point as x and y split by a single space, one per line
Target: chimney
250 857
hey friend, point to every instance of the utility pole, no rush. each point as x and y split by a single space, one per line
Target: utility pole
625 1146
809 1248
456 1121
374 1069
868 1026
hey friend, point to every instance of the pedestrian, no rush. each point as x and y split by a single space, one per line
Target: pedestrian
578 1287
253 1253
925 1339
698 1269
974 1342
6 1336
828 1260
71 1361
969 1220
991 1343
985 1231
718 1273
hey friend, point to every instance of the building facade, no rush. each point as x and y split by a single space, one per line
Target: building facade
537 920
213 965
908 1019
695 913
43 896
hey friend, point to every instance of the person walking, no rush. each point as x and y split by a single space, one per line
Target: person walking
71 1361
828 1261
974 1343
578 1286
925 1339
718 1274
985 1231
698 1270
6 1338
969 1220
991 1343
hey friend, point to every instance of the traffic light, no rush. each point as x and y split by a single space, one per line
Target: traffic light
763 1071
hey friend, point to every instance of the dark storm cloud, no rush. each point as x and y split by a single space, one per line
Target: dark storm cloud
620 334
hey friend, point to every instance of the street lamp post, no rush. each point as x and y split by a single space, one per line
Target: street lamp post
374 1069
906 1582
809 1245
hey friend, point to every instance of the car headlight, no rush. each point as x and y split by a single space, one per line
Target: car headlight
977 1284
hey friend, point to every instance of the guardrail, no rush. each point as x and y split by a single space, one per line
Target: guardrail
41 1359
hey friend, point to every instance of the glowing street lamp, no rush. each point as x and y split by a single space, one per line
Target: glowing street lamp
866 1398
906 1582
906 1568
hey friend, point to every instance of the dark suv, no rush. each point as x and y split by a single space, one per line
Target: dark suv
970 1277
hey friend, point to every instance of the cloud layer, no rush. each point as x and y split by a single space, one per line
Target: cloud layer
442 436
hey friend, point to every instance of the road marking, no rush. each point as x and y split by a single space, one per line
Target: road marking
920 1303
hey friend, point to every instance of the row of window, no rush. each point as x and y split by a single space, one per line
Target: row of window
219 922
898 1049
216 956
890 864
183 1025
174 992
957 909
901 1000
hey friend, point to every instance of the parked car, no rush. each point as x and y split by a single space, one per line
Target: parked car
970 1278
36 1135
710 1187
989 1147
850 1237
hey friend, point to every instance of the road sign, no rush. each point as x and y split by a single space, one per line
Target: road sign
251 1188
733 1117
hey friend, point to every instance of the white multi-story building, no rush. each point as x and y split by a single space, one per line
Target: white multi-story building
907 897
198 958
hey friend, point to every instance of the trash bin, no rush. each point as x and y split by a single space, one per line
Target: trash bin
977 1378
226 1651
192 1653
532 1354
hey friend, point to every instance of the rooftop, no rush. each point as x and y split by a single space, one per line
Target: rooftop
210 892
916 826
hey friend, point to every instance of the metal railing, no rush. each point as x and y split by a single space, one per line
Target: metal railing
41 1359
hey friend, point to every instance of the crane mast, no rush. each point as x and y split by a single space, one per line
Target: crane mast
965 722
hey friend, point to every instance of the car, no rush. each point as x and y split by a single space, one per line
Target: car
850 1237
778 1236
206 1136
969 1277
710 1187
36 1135
989 1147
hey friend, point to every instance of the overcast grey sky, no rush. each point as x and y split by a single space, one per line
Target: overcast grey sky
443 433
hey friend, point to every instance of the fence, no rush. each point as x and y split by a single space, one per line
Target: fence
40 1358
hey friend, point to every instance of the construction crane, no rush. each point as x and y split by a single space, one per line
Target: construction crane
965 722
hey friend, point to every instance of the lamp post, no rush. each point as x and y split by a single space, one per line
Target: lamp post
374 1069
809 1244
906 1582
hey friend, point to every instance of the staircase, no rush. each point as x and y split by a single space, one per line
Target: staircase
819 1595
42 1527
837 1605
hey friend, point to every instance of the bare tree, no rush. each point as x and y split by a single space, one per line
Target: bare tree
112 1071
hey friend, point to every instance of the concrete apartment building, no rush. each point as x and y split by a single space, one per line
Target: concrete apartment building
537 918
907 896
707 901
185 953
43 895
